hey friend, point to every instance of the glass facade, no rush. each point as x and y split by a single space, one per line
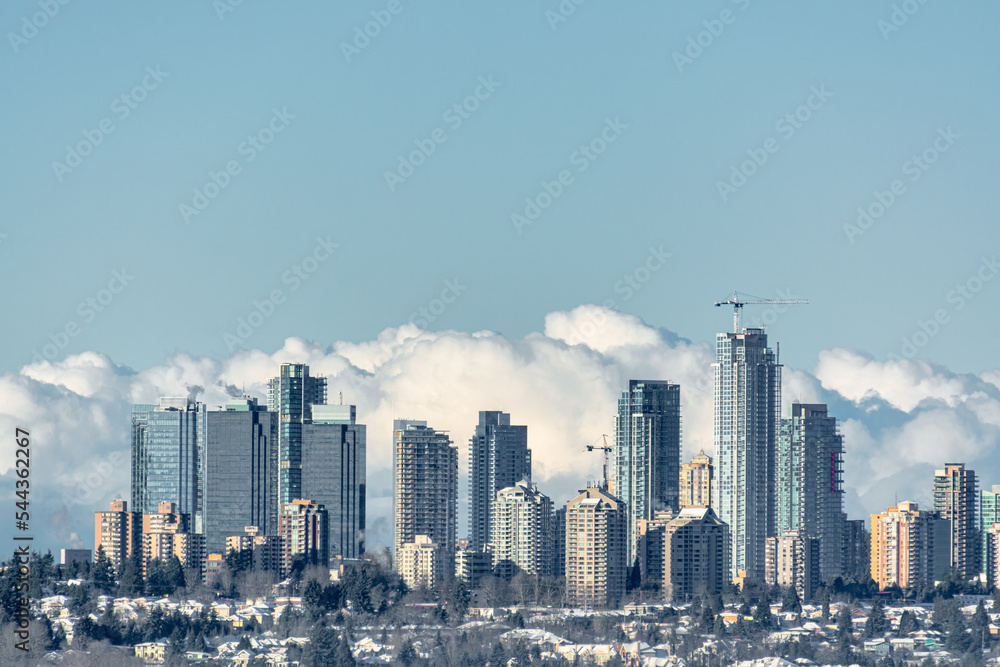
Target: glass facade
810 482
240 475
333 475
168 450
746 416
498 458
647 461
291 395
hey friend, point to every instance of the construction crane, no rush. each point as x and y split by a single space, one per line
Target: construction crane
738 304
607 449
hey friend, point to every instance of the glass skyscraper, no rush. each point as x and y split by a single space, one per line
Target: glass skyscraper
647 462
292 395
168 450
810 483
498 458
747 413
240 472
333 474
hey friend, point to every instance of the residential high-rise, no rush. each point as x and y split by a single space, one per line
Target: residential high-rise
747 412
522 531
418 562
168 451
559 542
696 481
910 547
118 531
167 533
304 529
696 554
955 496
498 458
810 483
991 556
291 395
989 514
425 489
597 528
472 566
793 559
240 471
651 549
647 453
857 548
333 474
258 551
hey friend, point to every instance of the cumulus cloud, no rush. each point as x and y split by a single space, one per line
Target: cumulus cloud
899 419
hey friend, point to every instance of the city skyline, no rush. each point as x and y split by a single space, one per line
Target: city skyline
560 467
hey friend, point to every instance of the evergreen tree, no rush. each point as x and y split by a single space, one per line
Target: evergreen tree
407 655
876 624
174 573
762 613
980 625
498 656
907 624
322 648
102 573
342 656
790 601
845 628
130 584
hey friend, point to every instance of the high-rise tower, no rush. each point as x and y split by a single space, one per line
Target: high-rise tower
955 496
425 490
498 458
747 413
810 479
647 452
292 395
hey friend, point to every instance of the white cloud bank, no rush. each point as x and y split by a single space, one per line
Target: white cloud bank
900 419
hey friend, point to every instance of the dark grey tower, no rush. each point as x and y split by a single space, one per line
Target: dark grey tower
498 458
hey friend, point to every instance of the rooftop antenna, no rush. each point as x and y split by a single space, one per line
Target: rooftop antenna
341 397
737 305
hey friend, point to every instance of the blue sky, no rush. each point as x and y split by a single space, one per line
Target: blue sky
234 197
656 185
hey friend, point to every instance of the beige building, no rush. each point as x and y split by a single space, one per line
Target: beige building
425 490
304 529
992 555
696 554
696 481
166 534
792 559
419 562
909 547
118 531
521 529
651 547
597 529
